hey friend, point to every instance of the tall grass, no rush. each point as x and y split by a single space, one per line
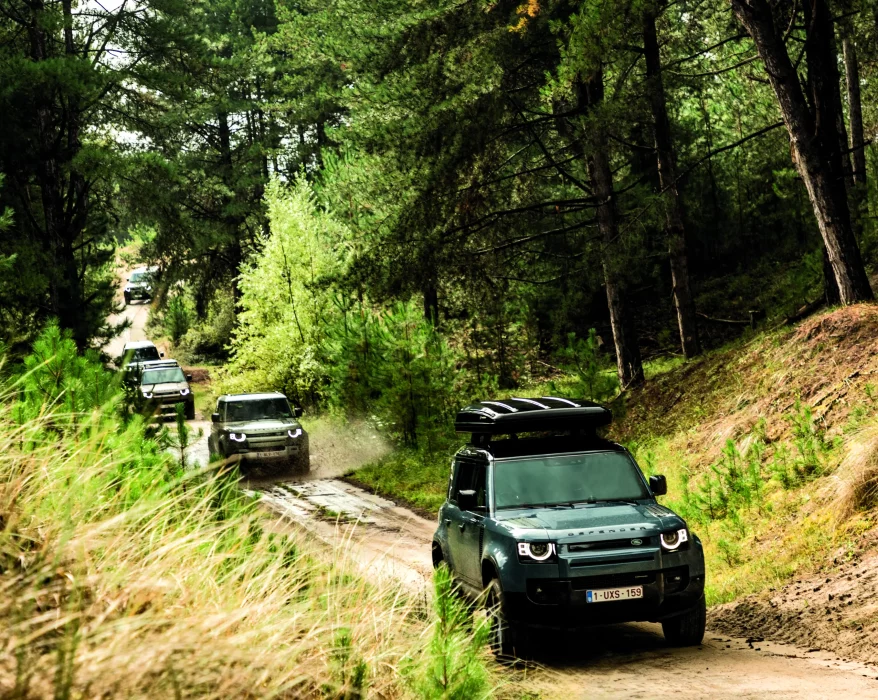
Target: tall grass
122 575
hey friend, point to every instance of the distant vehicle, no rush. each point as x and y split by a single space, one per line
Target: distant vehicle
164 385
259 429
555 527
139 284
136 352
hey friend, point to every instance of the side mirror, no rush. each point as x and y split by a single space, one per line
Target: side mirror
297 411
466 500
188 377
214 417
658 485
161 354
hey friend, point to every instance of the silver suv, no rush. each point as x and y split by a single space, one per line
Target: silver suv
139 284
259 429
163 385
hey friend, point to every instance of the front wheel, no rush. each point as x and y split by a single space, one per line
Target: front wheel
507 638
127 298
190 411
687 630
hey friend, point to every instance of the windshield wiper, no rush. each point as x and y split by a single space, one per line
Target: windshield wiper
610 500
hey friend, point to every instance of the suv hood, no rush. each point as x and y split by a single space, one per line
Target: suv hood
258 427
601 520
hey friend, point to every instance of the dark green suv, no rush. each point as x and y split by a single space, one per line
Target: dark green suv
553 527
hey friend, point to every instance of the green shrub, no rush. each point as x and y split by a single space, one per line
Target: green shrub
453 665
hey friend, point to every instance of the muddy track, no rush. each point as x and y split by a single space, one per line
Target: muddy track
616 661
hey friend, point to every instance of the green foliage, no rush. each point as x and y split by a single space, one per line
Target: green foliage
733 484
452 667
177 319
808 456
57 377
583 360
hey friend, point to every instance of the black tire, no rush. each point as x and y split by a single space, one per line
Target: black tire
127 298
508 640
305 463
687 630
190 411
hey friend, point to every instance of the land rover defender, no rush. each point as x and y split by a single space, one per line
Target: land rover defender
549 525
259 429
163 385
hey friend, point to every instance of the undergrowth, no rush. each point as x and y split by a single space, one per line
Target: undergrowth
123 574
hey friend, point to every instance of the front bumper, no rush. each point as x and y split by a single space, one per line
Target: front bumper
138 293
563 603
555 596
267 453
167 405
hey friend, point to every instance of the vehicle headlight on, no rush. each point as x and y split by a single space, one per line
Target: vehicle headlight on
674 540
127 289
184 392
237 437
536 551
294 433
147 287
147 394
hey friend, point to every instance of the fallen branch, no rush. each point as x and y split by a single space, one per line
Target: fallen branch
808 309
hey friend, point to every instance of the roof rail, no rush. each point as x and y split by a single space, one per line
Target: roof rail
520 415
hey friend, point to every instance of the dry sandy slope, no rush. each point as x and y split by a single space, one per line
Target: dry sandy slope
836 612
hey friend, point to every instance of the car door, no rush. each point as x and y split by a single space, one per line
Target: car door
466 527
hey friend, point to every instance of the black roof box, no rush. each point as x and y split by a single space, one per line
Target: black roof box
508 416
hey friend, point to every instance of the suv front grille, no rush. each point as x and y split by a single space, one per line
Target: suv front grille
610 544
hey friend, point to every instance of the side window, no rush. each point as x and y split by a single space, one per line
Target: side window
470 476
463 478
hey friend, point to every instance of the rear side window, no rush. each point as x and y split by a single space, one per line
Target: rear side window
471 476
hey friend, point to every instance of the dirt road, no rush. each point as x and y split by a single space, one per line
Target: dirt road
618 661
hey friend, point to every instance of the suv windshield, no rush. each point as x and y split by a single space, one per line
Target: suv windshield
257 409
144 354
563 479
170 375
139 277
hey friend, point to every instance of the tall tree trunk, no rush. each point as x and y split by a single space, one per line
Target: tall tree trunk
431 303
667 171
628 359
855 107
813 160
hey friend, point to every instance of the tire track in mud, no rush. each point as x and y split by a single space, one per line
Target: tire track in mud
614 661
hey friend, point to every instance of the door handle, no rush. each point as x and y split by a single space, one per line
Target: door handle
464 523
447 522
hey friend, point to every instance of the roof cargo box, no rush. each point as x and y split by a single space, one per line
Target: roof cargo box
516 415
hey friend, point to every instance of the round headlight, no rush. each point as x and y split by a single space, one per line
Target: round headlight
237 437
294 433
147 394
673 540
537 551
184 392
